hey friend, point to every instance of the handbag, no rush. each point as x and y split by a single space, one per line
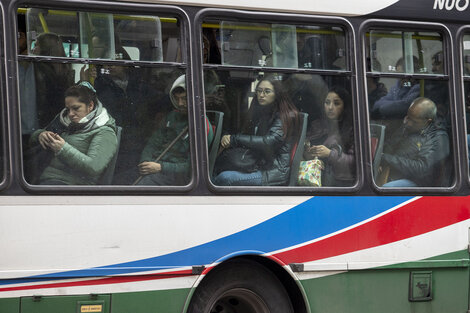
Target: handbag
310 173
236 159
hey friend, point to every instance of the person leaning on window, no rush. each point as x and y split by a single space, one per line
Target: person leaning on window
417 150
82 138
330 139
267 134
395 104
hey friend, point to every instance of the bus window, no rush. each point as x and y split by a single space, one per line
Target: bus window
274 45
95 111
466 73
260 144
409 115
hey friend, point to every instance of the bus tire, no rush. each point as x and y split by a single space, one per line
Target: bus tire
240 286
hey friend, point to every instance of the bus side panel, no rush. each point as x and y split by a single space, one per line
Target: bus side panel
387 289
10 305
169 301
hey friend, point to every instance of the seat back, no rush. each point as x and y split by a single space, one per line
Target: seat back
377 135
108 174
298 150
216 118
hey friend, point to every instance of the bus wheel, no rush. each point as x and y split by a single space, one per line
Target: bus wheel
240 286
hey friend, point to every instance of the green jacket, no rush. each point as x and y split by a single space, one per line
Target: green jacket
84 157
177 160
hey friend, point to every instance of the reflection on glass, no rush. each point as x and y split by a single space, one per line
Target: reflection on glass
274 45
416 51
100 35
466 55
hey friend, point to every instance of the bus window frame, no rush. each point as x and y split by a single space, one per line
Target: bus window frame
403 25
291 19
460 94
5 175
185 64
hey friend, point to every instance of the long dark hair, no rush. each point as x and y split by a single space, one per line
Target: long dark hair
345 120
282 105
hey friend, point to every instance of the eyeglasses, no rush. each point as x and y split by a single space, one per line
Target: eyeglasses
266 92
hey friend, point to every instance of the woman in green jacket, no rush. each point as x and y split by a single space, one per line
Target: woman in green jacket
82 138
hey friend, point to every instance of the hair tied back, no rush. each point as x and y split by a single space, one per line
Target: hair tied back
88 85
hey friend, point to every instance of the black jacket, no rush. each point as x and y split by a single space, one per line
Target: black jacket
419 156
272 150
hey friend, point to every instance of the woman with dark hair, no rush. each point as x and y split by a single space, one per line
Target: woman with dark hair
82 138
267 136
331 139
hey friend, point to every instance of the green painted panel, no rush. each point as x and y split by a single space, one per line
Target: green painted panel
10 305
66 304
462 254
454 259
386 291
167 301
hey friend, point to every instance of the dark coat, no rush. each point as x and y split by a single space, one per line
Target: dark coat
418 156
271 148
340 165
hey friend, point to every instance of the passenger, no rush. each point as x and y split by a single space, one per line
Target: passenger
375 89
395 104
174 166
417 151
307 93
86 144
268 135
438 91
122 91
26 84
331 139
52 79
215 98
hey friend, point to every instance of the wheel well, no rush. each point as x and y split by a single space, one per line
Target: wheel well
291 287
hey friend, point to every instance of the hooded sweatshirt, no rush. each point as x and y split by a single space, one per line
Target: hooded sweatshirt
176 161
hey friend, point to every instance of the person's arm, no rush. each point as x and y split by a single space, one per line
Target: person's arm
431 153
264 145
153 147
34 139
343 161
100 152
397 108
179 167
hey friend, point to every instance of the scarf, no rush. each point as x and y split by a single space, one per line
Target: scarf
96 118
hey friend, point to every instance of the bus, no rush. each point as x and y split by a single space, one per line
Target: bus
377 93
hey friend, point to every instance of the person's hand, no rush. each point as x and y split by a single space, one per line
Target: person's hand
308 153
45 139
225 141
88 74
146 168
320 151
57 143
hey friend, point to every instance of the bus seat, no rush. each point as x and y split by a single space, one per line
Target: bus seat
216 118
298 150
377 135
108 174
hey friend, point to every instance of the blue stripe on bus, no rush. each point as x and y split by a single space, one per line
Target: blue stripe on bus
315 218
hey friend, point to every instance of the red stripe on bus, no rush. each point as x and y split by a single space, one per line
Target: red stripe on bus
416 218
103 281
